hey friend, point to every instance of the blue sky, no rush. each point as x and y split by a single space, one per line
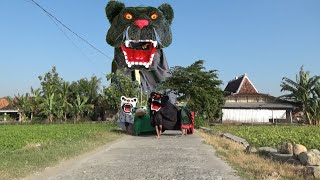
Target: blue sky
267 39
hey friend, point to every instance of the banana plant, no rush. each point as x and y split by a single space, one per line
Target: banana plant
80 106
48 106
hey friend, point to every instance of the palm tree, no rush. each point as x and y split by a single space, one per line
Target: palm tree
302 90
35 100
64 100
80 106
94 85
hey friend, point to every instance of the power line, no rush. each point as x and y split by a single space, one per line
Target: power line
52 17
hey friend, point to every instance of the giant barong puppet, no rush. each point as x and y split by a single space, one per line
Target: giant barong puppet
139 35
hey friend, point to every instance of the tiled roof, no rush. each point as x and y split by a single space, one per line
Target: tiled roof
241 85
3 103
233 85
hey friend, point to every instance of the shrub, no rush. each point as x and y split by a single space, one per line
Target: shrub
200 121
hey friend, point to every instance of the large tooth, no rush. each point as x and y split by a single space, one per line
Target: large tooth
127 43
140 63
147 65
126 57
136 63
152 55
129 65
155 43
125 53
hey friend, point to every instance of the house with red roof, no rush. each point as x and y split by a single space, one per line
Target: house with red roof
7 109
245 104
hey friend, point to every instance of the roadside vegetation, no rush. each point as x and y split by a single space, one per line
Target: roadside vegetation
252 166
30 148
60 101
273 136
200 88
304 90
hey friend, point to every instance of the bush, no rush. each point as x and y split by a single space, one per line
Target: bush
200 121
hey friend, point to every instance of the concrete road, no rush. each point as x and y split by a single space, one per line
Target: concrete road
171 157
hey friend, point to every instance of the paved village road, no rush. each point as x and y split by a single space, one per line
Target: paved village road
171 157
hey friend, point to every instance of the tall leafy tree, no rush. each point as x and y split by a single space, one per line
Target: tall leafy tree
64 101
50 82
48 106
35 100
51 85
199 86
303 90
121 85
80 106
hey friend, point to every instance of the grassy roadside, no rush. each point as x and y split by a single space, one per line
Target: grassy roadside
251 166
273 136
31 148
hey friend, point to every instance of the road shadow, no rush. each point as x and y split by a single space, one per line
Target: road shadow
119 131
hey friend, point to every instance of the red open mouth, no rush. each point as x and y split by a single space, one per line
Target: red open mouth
155 106
139 52
127 108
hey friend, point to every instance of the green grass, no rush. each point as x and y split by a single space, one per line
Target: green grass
272 136
28 148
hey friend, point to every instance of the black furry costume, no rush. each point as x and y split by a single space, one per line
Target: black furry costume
163 112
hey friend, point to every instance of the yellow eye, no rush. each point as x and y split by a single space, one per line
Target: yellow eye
128 16
154 16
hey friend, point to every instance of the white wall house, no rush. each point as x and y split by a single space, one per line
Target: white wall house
243 103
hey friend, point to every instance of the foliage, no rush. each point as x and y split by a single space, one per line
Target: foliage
57 99
65 106
22 103
80 106
199 86
274 135
48 106
50 82
304 90
121 85
199 121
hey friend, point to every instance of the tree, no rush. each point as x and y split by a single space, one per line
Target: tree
304 91
65 105
51 85
80 106
315 105
22 103
50 82
121 85
35 100
48 106
197 85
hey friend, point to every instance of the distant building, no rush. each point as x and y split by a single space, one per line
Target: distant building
243 103
6 109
